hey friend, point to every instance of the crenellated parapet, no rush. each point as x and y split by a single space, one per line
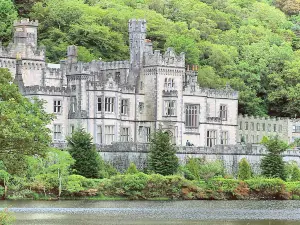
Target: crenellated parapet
26 52
246 117
26 22
169 58
46 90
94 66
52 72
195 89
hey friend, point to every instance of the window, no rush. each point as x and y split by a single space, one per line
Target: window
274 127
170 108
280 128
241 138
57 132
263 126
57 106
211 138
99 104
246 125
223 112
109 104
99 134
73 104
241 125
258 126
144 134
169 84
269 127
296 129
117 77
252 126
109 134
224 138
124 134
72 128
141 107
124 106
191 115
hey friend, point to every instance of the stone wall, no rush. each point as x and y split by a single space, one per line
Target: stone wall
121 154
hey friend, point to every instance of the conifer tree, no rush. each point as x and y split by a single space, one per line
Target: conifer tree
132 169
244 170
162 156
272 165
82 149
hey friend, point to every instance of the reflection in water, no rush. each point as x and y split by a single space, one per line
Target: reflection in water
155 212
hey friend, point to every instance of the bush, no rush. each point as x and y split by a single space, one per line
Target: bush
132 169
244 170
75 183
6 218
292 171
106 170
202 169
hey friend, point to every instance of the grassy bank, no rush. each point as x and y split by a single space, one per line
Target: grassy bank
141 186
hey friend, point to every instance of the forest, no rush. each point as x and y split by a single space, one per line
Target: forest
252 45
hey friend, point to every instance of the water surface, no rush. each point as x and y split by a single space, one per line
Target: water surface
155 212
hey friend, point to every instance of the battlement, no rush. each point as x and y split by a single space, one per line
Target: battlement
195 89
52 72
259 118
169 58
46 90
26 22
94 66
137 25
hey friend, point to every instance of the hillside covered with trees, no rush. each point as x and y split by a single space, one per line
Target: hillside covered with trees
250 44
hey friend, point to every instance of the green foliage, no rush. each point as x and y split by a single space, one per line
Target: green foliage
132 169
82 149
6 217
162 156
272 165
75 183
202 169
292 171
8 16
264 184
106 170
244 170
23 124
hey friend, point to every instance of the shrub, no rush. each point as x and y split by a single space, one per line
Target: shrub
6 218
162 156
75 183
106 170
292 171
244 170
202 169
132 169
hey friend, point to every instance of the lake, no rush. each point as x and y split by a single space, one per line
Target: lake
155 212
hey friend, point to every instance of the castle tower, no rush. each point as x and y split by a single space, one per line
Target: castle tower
137 36
25 32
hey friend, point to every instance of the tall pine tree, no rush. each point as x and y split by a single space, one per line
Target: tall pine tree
272 165
82 149
162 157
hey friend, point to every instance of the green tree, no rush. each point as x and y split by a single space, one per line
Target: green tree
272 165
132 169
292 171
244 172
162 156
8 15
82 149
23 122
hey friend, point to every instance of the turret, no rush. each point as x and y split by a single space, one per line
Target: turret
137 36
25 32
72 54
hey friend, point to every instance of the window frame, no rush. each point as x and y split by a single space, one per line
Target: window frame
224 138
124 107
57 108
57 133
109 136
223 112
109 104
125 136
169 107
192 118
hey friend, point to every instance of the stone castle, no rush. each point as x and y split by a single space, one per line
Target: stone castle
123 101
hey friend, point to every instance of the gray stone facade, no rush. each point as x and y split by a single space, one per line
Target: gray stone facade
123 100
